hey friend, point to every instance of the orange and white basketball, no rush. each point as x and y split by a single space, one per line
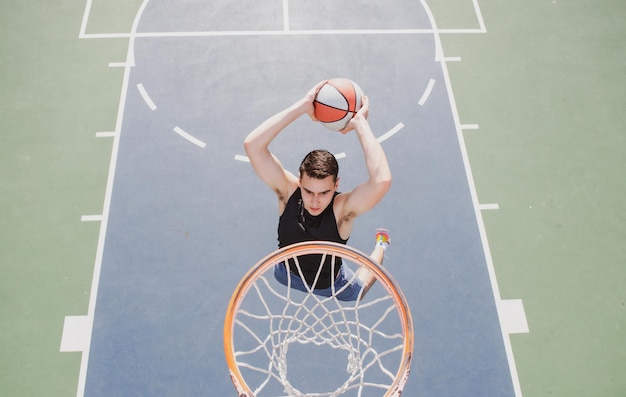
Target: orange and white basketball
337 102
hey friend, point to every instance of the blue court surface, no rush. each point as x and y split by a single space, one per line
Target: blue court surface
186 216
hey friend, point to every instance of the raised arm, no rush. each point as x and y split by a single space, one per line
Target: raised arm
265 164
366 195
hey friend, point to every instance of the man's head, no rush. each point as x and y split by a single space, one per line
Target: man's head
320 164
318 180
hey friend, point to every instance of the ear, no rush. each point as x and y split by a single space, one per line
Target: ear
337 184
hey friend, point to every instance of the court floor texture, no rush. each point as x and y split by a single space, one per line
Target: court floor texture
130 211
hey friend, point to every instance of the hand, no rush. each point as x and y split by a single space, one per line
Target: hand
310 97
360 116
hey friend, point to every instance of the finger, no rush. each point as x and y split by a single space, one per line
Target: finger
347 129
365 102
319 86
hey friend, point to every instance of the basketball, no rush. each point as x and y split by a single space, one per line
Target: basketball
337 102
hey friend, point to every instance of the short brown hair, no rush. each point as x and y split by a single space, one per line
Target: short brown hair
320 164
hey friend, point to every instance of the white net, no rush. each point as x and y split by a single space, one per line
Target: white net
287 342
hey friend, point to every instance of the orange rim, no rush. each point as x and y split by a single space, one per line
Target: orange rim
304 248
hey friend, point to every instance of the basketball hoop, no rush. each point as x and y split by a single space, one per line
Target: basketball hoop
279 341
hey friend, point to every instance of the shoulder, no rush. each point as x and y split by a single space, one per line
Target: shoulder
341 204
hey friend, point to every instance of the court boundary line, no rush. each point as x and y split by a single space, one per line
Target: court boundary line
506 339
500 308
311 32
88 320
286 30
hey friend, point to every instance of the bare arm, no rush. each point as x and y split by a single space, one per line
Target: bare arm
365 196
265 164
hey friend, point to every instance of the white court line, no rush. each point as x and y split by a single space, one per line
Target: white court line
91 218
512 316
245 159
390 133
87 322
118 64
189 137
104 36
106 134
426 94
76 333
83 24
491 206
479 16
436 33
286 15
469 126
452 59
480 222
146 97
329 32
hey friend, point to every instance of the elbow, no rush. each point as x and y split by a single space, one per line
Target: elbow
384 184
248 145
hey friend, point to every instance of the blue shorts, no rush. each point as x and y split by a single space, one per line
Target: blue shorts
353 285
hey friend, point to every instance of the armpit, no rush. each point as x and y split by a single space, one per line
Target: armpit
346 219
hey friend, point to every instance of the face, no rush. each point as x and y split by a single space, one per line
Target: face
317 193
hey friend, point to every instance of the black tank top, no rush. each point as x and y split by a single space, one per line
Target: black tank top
296 225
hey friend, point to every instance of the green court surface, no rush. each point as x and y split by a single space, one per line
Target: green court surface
543 88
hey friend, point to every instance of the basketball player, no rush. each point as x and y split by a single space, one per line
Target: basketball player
310 206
